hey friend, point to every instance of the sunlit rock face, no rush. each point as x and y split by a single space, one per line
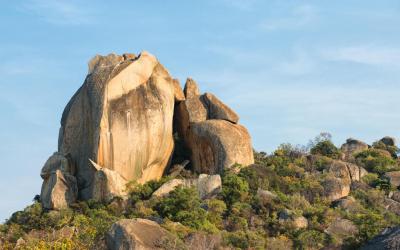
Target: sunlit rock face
121 118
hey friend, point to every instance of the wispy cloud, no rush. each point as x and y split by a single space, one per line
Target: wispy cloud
241 4
297 17
365 54
59 12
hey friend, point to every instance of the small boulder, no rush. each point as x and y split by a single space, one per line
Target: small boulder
171 185
287 217
300 222
396 196
335 188
208 185
191 88
107 184
388 141
393 177
59 191
389 239
341 229
392 206
348 204
128 234
265 196
351 147
218 110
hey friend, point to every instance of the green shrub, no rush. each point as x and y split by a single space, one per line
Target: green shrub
311 239
183 205
376 161
326 148
234 188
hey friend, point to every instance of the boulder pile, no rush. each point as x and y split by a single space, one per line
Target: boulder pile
119 128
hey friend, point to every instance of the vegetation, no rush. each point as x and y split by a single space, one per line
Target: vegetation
242 217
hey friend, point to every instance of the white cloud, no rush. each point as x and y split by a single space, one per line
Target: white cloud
298 17
59 12
366 54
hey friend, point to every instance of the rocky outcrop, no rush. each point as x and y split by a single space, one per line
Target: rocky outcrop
352 147
129 234
340 177
59 188
393 177
121 118
388 141
210 130
340 229
118 128
265 196
287 217
206 185
389 239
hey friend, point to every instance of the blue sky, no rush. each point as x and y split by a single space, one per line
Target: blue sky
291 69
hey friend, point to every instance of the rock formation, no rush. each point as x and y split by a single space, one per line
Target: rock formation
59 188
211 131
206 185
118 128
389 239
352 147
143 234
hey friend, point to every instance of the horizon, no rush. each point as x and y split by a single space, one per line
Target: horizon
289 70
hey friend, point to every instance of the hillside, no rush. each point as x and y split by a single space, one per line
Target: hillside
144 164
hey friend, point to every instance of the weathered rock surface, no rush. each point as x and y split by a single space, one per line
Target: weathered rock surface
393 177
265 196
348 203
392 206
351 147
59 188
341 229
108 184
389 239
218 110
396 196
286 216
119 125
130 234
219 144
171 185
122 119
206 185
337 184
209 130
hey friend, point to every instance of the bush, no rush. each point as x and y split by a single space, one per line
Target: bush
326 148
311 239
376 161
183 205
234 188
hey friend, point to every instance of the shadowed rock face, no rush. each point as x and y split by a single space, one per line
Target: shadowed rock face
210 130
121 118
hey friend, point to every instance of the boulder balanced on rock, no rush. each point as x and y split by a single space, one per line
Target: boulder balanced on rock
210 130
